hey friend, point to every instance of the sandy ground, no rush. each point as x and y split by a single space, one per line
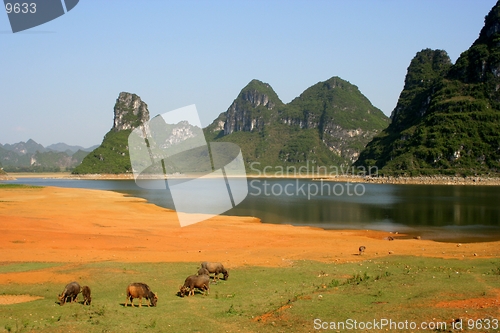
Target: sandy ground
77 225
14 299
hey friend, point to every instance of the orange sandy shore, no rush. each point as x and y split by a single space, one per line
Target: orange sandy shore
77 226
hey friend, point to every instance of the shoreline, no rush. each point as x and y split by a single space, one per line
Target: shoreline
52 224
421 180
435 234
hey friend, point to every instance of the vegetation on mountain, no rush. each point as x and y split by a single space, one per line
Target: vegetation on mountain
328 124
24 148
336 101
80 155
447 120
112 156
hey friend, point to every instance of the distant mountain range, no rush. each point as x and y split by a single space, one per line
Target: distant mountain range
327 125
68 148
446 121
31 156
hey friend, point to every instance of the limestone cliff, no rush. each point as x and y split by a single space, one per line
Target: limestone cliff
251 109
129 112
112 156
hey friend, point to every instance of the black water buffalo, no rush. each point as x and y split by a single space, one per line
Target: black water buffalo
71 290
216 268
201 282
86 295
140 290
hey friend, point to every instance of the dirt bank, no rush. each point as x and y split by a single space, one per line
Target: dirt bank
78 225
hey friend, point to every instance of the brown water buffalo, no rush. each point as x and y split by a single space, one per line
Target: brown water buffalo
216 268
140 290
86 295
71 290
201 282
203 271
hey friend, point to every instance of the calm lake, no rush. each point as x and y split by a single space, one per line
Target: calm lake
438 212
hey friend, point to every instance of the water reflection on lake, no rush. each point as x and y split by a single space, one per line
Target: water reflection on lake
453 213
439 212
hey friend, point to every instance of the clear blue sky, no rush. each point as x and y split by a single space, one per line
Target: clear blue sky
59 81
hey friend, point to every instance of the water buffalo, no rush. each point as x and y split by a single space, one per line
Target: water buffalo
216 268
86 295
203 271
140 290
362 249
201 282
71 290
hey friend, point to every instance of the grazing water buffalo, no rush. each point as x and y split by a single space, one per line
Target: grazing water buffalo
71 290
140 290
216 268
201 282
203 271
86 295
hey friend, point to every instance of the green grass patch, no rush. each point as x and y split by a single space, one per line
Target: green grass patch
15 186
260 299
25 266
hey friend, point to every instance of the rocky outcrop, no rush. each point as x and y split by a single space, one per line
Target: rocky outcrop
250 110
112 156
130 112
